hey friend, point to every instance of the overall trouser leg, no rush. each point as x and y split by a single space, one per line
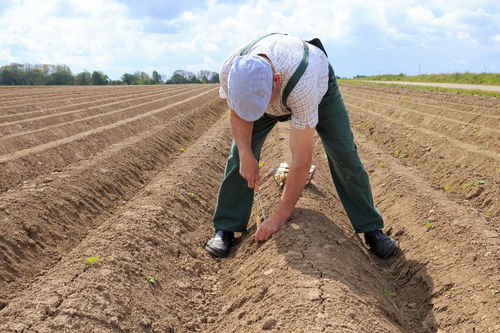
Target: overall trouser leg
235 199
348 173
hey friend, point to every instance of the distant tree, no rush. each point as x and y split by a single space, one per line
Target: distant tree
83 79
204 75
214 78
99 78
13 74
142 78
177 79
129 79
156 79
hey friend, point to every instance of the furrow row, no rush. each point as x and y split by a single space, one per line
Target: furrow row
46 218
90 119
28 163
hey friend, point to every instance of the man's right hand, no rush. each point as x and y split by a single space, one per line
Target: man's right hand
249 169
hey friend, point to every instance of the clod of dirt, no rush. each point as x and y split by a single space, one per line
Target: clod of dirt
269 324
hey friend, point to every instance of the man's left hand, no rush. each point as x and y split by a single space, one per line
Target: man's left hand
270 226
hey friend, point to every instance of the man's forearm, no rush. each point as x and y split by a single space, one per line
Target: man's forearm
242 134
294 186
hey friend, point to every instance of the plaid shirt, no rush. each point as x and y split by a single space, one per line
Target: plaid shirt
285 52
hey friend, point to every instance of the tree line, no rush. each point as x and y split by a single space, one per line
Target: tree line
27 74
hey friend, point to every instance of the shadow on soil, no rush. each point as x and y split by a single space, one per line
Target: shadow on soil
400 288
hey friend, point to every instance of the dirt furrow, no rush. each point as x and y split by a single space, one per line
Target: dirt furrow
47 218
471 133
450 113
158 234
457 248
53 156
90 119
47 101
27 117
477 104
463 171
72 113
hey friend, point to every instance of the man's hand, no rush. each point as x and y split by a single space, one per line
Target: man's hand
249 169
270 226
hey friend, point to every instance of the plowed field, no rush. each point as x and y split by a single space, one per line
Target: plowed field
129 175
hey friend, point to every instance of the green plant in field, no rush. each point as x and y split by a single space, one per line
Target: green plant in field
383 185
90 260
429 224
388 292
447 188
182 149
475 129
363 124
483 147
381 164
150 278
465 185
191 194
397 153
494 292
479 182
489 214
261 163
412 324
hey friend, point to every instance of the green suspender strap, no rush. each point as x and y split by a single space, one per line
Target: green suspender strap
296 75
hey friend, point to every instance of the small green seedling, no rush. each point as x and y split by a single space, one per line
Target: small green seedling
388 292
413 324
494 292
191 194
383 185
397 153
182 149
150 279
381 164
249 278
475 129
90 260
479 182
261 163
429 224
465 185
447 188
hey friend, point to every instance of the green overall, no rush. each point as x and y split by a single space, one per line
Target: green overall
235 199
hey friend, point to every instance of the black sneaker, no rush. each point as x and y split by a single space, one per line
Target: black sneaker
220 244
381 244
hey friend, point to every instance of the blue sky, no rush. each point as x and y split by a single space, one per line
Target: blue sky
361 37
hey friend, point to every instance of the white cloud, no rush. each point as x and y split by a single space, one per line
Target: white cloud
101 34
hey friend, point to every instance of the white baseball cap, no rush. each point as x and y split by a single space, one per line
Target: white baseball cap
250 85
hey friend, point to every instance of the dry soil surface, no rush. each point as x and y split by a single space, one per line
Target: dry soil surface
128 176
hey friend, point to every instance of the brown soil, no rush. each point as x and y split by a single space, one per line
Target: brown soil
136 186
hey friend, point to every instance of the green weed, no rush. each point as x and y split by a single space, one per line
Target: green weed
261 163
429 224
447 188
150 278
182 149
479 182
388 292
397 153
494 292
381 164
90 260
